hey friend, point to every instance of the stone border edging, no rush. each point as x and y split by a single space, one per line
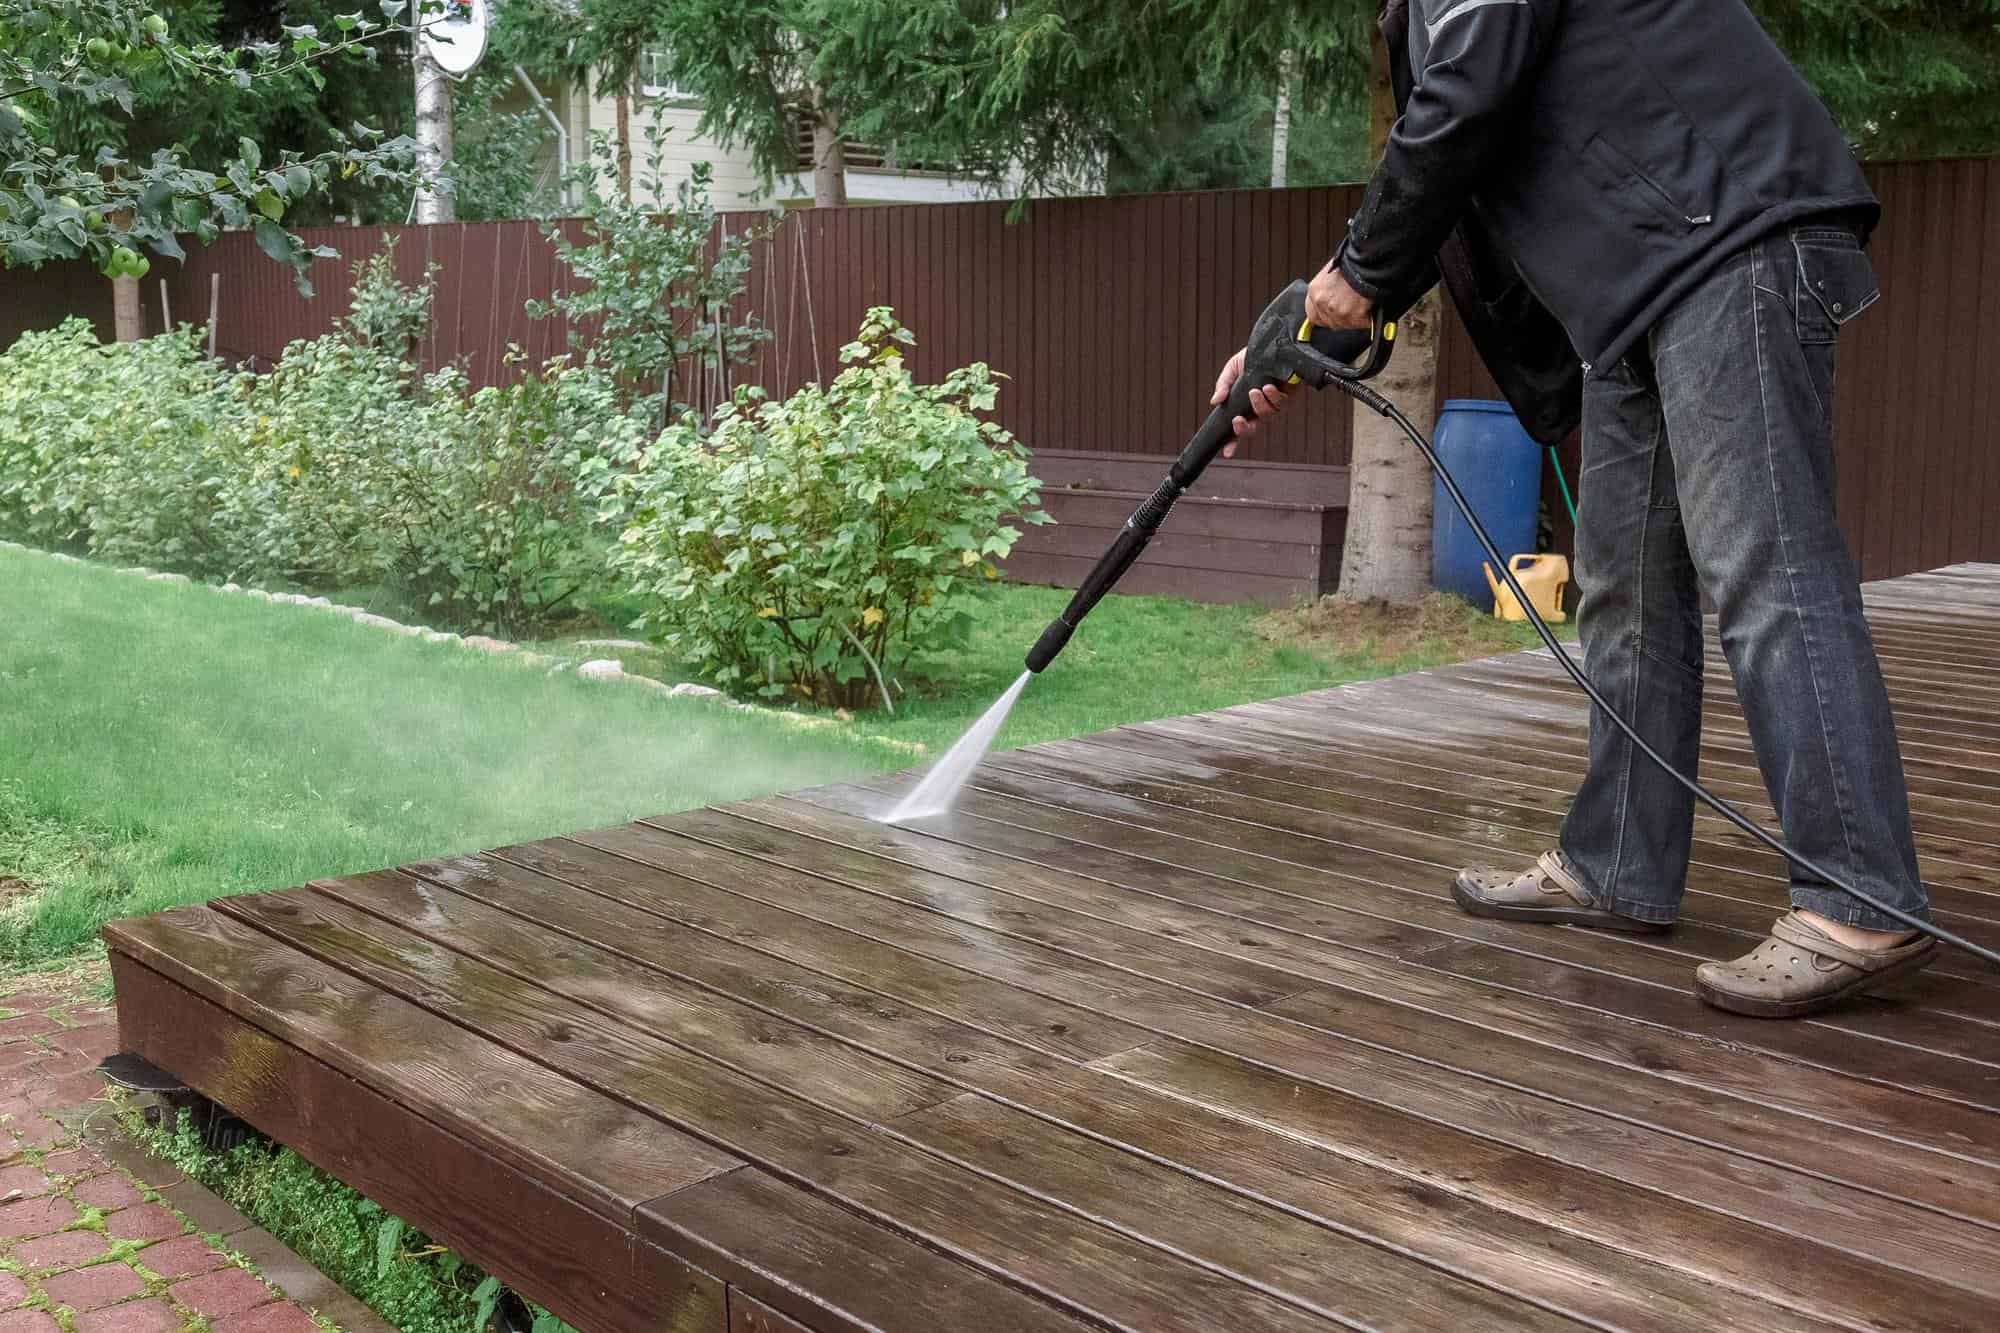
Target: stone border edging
599 669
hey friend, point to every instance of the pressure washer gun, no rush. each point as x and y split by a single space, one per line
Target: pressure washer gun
1284 348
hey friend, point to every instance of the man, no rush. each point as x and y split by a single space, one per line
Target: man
1649 222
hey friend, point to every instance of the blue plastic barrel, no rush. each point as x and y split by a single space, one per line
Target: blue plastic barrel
1499 467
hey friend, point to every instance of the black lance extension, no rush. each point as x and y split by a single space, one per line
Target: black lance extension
1285 349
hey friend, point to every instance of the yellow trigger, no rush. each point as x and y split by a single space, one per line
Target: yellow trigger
1294 379
1389 332
1306 331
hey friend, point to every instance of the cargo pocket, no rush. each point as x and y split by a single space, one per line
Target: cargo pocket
1835 282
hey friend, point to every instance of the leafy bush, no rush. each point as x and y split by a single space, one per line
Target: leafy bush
502 536
808 544
342 466
314 498
656 296
114 449
384 311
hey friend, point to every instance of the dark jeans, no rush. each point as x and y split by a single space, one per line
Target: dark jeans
1708 466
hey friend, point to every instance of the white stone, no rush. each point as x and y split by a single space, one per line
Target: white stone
438 636
379 622
258 593
624 645
489 645
315 601
687 689
168 578
604 668
232 587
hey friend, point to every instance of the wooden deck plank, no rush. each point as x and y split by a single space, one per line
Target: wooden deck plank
1431 1027
1880 1017
1955 1252
703 1083
1500 788
1700 1059
446 1077
1168 1028
1355 1198
782 1248
539 1237
1739 901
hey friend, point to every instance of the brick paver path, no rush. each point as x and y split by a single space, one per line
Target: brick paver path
81 1246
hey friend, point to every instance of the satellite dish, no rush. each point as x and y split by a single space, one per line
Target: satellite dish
456 38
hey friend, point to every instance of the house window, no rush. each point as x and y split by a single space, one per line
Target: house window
653 80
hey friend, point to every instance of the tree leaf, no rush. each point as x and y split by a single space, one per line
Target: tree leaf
388 1237
252 155
274 241
270 205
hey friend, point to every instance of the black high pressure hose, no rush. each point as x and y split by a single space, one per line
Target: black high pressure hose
1291 358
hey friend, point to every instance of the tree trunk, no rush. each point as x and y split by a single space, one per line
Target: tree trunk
829 158
1388 549
433 136
128 319
1281 119
625 143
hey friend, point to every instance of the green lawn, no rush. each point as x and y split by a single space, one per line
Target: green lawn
162 744
1136 658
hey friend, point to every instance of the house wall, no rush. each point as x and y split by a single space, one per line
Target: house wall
736 185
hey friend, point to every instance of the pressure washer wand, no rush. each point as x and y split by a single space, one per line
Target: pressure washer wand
1284 348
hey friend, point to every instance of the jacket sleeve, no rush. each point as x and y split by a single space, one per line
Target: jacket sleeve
1454 127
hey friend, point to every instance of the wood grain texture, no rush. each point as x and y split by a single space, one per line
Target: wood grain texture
1172 1027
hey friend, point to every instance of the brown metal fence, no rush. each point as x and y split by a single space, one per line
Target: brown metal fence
1111 315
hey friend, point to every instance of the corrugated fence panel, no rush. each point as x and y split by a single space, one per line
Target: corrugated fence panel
1110 317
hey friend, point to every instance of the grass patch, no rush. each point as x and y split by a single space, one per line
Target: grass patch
1137 658
166 744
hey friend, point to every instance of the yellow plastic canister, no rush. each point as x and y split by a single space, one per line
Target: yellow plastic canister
1543 577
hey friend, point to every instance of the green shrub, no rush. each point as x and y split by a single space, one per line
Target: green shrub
342 466
655 290
114 449
805 539
504 537
315 498
382 310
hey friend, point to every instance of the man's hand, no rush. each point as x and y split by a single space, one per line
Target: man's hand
1264 402
1332 304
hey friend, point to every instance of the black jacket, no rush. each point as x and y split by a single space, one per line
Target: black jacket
1572 168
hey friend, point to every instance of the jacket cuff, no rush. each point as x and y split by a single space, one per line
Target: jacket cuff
1343 261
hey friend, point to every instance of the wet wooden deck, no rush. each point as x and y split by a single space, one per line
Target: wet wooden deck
1168 1028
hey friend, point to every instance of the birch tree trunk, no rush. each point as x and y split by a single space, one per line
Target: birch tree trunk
433 135
829 158
1281 119
1387 554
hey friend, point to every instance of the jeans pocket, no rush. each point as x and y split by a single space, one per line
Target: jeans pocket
1835 282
